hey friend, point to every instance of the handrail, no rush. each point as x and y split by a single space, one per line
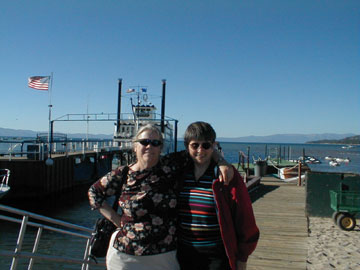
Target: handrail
84 233
39 150
43 218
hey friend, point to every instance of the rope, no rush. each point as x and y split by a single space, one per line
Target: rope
279 168
274 165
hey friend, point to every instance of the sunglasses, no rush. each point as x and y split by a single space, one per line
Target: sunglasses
146 142
205 145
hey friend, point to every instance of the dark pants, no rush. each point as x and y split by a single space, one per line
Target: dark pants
190 259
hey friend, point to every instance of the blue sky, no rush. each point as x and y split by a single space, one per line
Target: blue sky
256 67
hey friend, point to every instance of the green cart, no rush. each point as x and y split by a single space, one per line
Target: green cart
346 205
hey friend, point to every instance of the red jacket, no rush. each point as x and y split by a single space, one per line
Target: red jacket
236 218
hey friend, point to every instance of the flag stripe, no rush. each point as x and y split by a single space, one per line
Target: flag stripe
39 82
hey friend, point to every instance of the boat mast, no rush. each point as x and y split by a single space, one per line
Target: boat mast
163 106
118 107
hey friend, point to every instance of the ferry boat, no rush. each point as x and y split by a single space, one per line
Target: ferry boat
143 113
47 165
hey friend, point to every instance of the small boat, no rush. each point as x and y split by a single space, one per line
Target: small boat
291 174
329 158
310 160
4 185
339 160
333 163
347 146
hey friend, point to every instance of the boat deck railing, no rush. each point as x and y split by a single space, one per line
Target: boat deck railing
39 150
55 225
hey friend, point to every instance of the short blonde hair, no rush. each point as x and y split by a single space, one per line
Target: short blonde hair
148 127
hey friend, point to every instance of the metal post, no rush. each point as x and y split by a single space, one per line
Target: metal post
85 266
51 137
266 150
175 135
248 161
163 106
279 154
289 152
304 155
19 242
119 107
36 245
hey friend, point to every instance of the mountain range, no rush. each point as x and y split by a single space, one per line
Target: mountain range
347 140
288 138
277 138
7 132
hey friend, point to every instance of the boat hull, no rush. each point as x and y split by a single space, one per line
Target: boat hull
34 179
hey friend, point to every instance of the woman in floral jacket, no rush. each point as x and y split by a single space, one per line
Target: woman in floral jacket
148 201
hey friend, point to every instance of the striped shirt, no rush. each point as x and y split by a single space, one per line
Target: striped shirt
198 221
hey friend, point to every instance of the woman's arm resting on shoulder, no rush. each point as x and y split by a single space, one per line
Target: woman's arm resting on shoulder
226 169
226 173
108 212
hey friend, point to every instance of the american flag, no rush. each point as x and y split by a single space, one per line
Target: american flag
39 82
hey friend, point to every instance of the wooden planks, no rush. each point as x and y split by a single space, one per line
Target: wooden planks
280 215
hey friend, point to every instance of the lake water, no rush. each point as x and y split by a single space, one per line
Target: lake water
294 151
74 207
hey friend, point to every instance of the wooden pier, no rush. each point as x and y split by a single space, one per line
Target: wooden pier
279 209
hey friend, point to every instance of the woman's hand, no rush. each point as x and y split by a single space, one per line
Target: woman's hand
240 265
226 173
108 212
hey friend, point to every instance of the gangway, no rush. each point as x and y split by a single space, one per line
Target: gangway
55 225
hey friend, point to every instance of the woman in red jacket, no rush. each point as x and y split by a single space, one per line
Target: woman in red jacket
217 228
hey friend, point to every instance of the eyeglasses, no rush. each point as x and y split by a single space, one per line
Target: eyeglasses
205 145
146 142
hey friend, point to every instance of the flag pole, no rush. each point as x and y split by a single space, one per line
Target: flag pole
50 106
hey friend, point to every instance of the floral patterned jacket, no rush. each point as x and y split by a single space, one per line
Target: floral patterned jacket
148 205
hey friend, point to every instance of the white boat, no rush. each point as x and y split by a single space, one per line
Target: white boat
347 146
290 174
4 185
333 163
310 159
339 160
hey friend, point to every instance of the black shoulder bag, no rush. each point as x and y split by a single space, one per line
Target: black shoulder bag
104 228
